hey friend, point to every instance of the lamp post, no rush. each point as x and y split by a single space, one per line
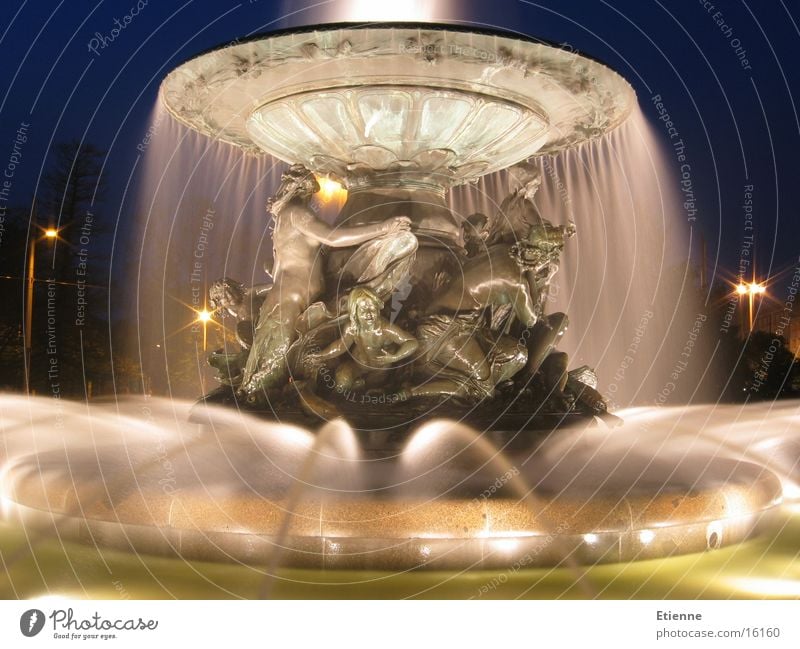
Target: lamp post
751 290
51 234
204 317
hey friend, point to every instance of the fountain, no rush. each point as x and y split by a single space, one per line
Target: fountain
398 115
415 339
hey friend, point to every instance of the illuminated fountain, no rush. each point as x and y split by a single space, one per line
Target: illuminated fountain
399 115
444 435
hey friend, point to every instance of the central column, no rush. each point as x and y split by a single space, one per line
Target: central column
376 198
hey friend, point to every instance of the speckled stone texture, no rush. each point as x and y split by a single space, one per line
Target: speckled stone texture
232 501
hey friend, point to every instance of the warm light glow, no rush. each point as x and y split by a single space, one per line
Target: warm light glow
767 587
753 289
506 546
736 505
51 233
421 442
51 599
204 315
791 490
330 190
590 538
646 536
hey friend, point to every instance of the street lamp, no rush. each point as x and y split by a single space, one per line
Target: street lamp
204 317
50 234
751 290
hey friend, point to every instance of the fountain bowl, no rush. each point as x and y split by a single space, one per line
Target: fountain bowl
425 104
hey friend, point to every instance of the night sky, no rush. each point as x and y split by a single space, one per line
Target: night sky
726 76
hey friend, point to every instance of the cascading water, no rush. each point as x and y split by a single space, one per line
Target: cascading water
202 216
237 488
618 280
242 489
199 215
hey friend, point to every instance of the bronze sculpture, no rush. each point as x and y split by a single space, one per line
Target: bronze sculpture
298 275
474 332
362 105
376 344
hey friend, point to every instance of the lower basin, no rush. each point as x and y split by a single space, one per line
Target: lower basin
235 500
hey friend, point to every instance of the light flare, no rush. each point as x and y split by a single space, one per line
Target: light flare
506 546
753 288
330 190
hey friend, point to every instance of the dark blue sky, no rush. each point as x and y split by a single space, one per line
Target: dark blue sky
726 74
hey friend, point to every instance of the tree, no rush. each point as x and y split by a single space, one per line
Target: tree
72 188
73 182
70 323
13 246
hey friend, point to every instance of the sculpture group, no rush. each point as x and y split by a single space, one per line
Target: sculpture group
358 315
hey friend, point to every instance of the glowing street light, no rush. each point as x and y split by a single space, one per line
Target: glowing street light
50 234
204 317
753 289
750 290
